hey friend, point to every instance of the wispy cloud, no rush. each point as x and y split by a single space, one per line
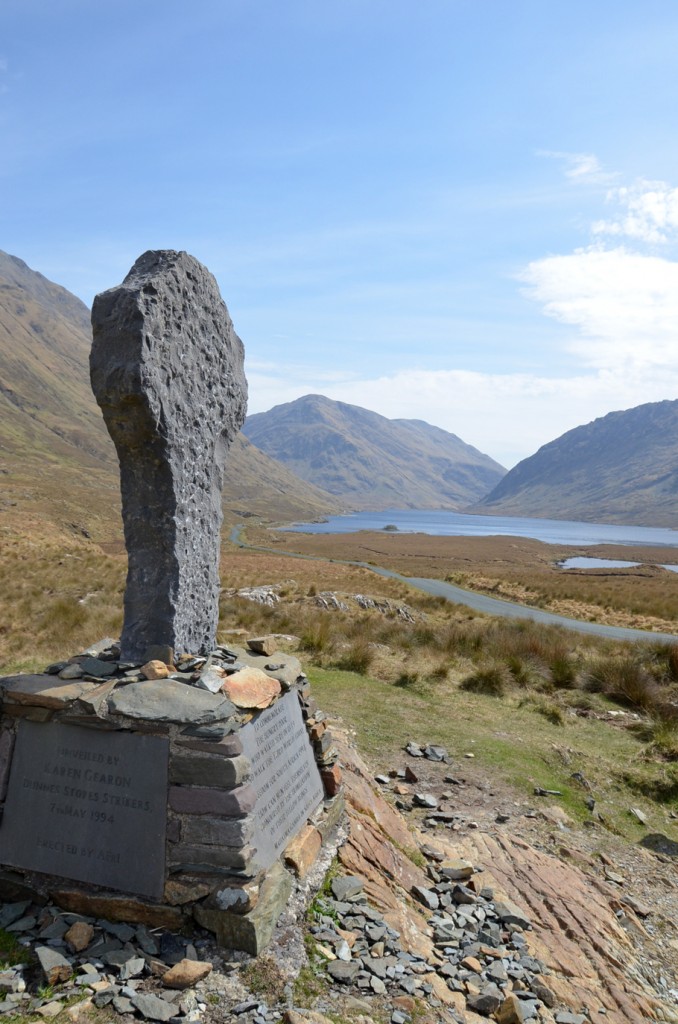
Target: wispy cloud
581 168
622 298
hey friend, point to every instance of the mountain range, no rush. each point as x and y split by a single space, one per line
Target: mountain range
621 468
369 461
300 460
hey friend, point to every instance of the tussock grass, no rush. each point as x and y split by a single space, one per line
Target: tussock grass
407 680
491 680
357 657
544 707
626 680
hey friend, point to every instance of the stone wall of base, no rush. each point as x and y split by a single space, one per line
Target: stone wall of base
220 869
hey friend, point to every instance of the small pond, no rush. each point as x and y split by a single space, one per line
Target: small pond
584 562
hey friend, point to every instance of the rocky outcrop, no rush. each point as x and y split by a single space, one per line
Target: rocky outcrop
524 919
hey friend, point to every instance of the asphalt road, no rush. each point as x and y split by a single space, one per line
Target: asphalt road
482 603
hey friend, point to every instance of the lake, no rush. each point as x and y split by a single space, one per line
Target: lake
456 524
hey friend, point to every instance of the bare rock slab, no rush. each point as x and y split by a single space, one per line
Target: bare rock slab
167 370
165 700
119 908
43 690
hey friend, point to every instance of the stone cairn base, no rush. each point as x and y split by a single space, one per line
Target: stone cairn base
207 869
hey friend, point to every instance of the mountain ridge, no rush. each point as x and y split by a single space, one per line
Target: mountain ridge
622 467
369 461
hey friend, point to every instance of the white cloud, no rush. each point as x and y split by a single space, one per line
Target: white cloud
581 168
624 305
648 212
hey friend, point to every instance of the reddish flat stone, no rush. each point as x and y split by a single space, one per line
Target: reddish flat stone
79 936
251 688
331 779
302 851
186 973
155 669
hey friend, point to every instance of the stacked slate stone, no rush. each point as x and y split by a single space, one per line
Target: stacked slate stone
483 952
200 704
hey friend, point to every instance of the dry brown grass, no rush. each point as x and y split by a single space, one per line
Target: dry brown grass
58 595
517 569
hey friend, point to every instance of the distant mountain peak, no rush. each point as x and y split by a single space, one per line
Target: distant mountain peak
370 461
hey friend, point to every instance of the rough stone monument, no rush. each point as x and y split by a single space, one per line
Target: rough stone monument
167 370
193 788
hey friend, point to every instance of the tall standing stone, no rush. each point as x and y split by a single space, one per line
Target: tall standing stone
167 370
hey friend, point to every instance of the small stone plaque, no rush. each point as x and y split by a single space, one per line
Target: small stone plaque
284 775
88 805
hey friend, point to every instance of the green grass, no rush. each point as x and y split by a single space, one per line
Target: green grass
512 738
11 950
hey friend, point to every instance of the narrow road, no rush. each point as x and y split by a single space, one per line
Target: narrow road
480 602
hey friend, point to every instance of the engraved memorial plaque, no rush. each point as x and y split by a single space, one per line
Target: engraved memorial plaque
284 775
88 805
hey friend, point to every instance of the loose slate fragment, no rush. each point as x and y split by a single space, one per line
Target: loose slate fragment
167 370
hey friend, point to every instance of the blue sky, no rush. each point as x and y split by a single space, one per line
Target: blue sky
463 211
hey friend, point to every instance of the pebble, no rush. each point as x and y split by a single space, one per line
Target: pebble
425 800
